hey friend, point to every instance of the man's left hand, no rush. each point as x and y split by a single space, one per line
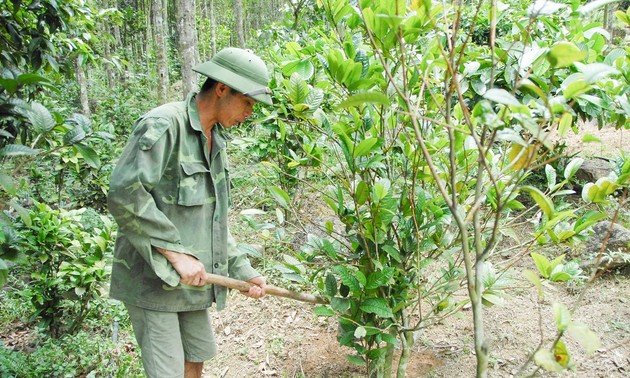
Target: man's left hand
258 290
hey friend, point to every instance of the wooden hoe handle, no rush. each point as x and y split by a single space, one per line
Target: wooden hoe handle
270 289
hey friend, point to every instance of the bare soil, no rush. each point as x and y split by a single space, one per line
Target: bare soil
276 337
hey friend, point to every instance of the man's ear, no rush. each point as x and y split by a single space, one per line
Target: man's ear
221 89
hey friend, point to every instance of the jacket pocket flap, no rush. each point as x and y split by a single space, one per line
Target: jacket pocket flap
193 168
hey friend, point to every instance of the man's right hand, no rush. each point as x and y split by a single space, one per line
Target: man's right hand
191 271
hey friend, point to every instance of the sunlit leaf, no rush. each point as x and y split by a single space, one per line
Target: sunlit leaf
376 98
544 202
544 8
360 332
365 147
565 123
588 339
501 96
542 264
547 361
563 54
280 196
561 353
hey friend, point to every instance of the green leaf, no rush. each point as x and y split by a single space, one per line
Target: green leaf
302 67
590 138
331 285
22 212
563 54
533 277
561 354
565 123
359 99
340 305
551 174
355 360
323 311
365 147
360 332
575 88
280 196
17 150
589 192
73 136
4 272
501 96
544 202
561 315
89 155
542 264
560 277
588 339
377 306
6 182
40 118
572 168
380 278
547 361
588 219
362 193
298 89
348 278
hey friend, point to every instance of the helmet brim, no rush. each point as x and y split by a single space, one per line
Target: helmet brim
237 82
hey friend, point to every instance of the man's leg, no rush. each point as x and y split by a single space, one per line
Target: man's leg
193 369
159 338
198 341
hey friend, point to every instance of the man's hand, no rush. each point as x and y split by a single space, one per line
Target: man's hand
191 271
258 290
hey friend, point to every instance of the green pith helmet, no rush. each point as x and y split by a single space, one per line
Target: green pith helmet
241 70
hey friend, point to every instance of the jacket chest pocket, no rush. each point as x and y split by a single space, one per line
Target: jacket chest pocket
195 185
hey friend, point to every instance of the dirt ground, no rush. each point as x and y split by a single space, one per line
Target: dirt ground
282 338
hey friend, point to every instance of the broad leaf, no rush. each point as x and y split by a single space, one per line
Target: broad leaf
359 99
280 196
17 150
377 306
40 118
501 96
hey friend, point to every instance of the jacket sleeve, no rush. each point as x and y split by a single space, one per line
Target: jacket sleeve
140 168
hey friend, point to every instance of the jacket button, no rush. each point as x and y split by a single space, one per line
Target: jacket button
216 265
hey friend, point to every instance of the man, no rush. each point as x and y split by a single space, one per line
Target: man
170 194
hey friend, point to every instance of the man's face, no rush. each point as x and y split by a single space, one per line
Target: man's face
234 108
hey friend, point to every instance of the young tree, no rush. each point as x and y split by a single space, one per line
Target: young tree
185 12
238 23
433 132
158 11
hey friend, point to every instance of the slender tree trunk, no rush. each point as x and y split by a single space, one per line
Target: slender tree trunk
238 22
213 28
159 31
83 91
187 42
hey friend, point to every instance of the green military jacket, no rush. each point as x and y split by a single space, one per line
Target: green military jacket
168 191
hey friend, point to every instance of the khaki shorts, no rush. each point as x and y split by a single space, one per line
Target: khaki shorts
167 339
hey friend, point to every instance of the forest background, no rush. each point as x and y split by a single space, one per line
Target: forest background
433 134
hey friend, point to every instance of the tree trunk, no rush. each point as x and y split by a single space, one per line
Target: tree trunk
159 34
238 22
187 42
83 91
213 28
